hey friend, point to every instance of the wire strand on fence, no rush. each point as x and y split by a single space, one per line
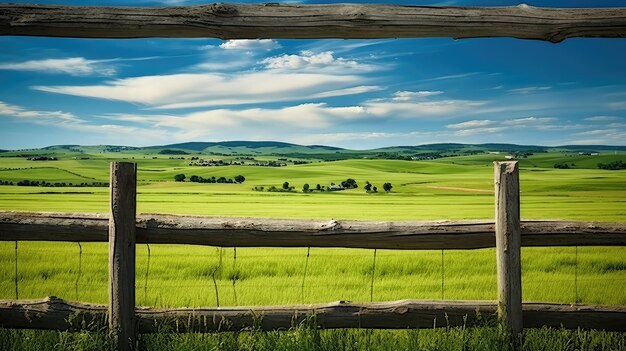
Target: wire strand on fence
442 276
145 285
219 267
17 293
306 265
235 274
80 265
576 276
373 273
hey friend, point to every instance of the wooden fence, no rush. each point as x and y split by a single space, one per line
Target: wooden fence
295 21
125 229
252 21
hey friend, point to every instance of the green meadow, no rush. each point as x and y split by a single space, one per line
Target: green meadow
449 188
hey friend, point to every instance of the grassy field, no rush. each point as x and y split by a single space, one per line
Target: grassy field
449 188
308 339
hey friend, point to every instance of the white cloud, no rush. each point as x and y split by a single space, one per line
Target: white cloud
67 120
309 61
528 121
329 138
478 131
529 90
213 89
250 45
409 95
49 117
75 66
420 109
470 124
602 118
610 136
291 120
477 127
452 76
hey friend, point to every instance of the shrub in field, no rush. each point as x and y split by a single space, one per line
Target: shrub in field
613 166
561 165
387 187
179 177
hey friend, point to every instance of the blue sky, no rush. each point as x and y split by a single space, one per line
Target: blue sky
348 93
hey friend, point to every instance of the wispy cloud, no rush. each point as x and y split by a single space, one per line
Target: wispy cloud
452 76
47 117
529 90
296 119
311 61
214 89
407 104
75 66
471 124
486 126
603 118
410 95
250 45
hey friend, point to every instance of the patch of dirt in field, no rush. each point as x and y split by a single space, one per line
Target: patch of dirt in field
461 189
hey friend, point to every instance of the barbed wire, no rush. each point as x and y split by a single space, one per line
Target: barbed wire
80 264
232 282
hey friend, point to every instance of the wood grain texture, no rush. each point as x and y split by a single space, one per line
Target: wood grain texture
257 232
508 246
55 314
121 312
295 21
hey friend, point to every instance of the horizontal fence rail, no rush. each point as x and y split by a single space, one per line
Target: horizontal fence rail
294 21
253 232
55 314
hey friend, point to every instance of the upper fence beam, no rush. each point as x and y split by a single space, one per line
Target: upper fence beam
293 21
251 232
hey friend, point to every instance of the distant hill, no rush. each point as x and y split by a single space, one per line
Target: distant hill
276 148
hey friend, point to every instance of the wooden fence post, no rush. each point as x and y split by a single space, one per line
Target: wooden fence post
122 326
508 242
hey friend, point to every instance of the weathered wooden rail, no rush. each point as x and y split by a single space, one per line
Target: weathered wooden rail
257 232
253 21
54 313
122 228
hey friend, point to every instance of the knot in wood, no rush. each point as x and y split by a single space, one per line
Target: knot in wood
331 225
223 9
53 300
401 310
152 223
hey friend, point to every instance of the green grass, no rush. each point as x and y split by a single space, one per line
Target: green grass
180 275
451 188
308 339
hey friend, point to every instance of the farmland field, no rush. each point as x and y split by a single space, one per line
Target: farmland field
448 188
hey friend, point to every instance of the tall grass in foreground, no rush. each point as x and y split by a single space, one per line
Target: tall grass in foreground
303 338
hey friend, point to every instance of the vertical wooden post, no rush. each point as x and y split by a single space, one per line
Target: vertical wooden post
122 326
508 242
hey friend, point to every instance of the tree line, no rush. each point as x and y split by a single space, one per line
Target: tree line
307 188
198 179
28 182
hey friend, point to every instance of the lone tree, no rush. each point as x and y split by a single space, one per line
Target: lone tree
179 177
240 179
368 186
305 188
286 185
318 187
349 184
375 189
387 187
